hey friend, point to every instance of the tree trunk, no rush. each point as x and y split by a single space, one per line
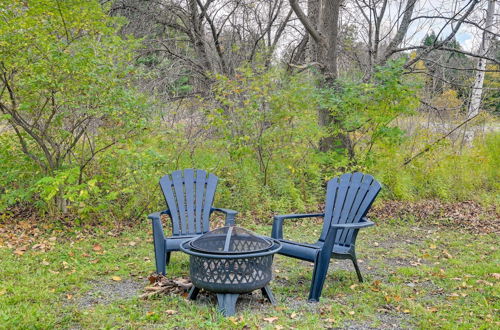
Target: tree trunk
323 33
329 29
477 88
313 9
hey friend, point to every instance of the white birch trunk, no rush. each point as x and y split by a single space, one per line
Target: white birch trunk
477 88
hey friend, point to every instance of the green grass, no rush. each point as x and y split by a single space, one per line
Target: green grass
415 276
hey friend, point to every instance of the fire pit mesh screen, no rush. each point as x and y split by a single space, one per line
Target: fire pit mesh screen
253 272
230 240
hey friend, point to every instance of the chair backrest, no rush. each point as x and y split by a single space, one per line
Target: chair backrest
348 199
189 195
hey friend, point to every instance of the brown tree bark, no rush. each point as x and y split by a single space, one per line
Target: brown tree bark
321 23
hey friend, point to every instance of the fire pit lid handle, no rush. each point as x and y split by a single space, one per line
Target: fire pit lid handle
228 239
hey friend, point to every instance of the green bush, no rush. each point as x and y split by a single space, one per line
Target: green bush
445 172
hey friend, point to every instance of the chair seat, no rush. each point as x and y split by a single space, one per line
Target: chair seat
173 242
306 251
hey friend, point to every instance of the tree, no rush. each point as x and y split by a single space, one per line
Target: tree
477 88
322 26
65 87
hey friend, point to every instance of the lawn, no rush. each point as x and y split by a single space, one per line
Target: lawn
417 275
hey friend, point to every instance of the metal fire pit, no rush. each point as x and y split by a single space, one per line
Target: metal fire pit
229 261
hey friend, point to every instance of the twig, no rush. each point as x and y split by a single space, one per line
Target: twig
438 140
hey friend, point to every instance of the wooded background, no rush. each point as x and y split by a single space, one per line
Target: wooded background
99 99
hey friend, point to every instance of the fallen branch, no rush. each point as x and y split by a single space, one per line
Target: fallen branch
438 140
162 285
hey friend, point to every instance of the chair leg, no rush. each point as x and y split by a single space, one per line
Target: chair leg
318 279
161 260
168 258
355 263
160 247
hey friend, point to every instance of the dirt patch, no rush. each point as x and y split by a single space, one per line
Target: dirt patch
468 215
105 292
383 321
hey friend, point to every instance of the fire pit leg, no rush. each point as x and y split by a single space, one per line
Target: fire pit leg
267 293
227 303
193 293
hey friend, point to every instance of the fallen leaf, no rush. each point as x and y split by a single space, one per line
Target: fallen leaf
2 292
132 243
45 262
352 287
432 309
171 311
150 313
294 315
352 312
69 296
97 247
496 275
153 278
20 251
270 319
116 278
406 311
433 246
53 239
38 247
484 282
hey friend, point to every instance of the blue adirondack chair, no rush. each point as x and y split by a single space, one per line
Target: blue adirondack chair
348 199
189 195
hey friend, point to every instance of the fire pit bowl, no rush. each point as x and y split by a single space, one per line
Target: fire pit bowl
229 261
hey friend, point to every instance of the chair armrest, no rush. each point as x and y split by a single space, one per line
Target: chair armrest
157 215
158 234
230 214
277 231
365 222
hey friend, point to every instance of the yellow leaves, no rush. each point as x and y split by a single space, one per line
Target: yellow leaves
395 298
171 311
236 320
433 246
116 278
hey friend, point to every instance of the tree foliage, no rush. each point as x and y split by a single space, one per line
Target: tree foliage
65 87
